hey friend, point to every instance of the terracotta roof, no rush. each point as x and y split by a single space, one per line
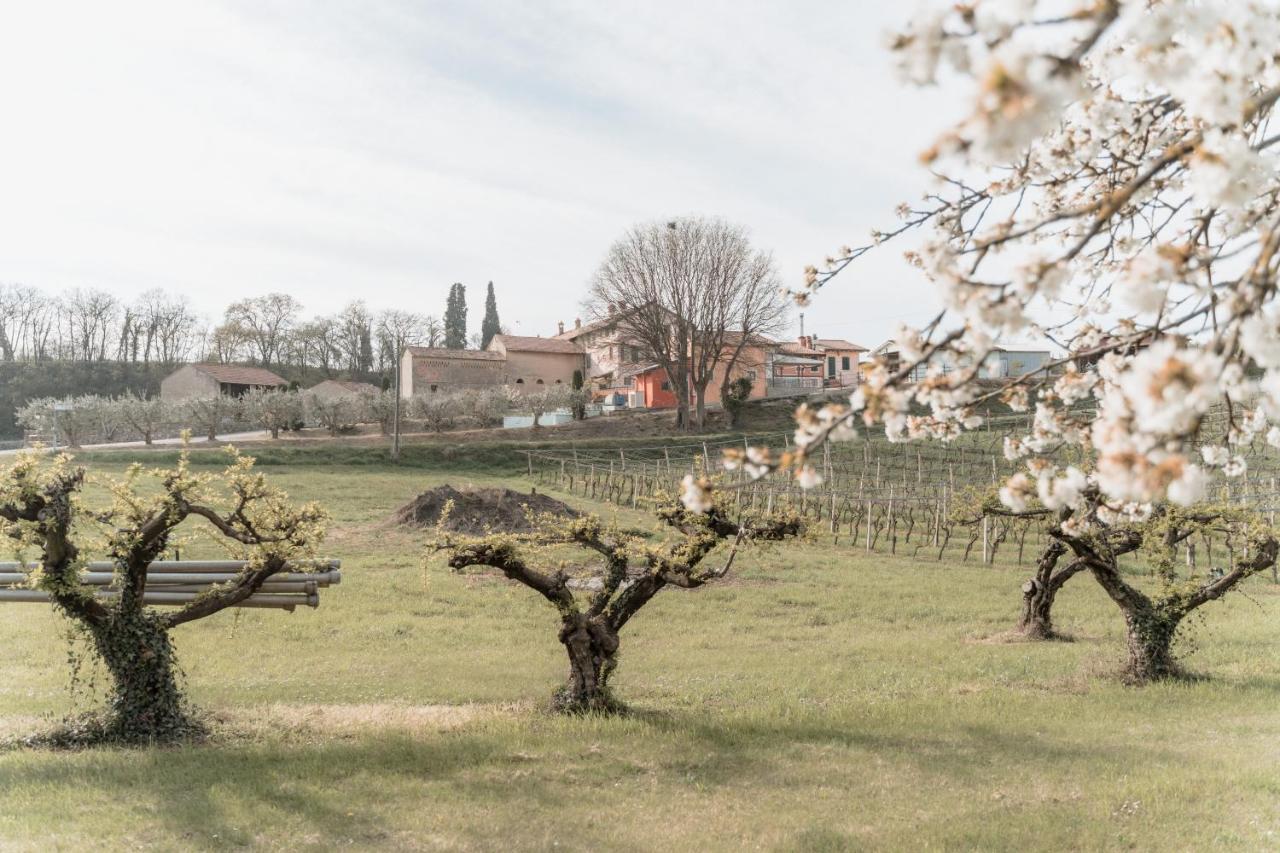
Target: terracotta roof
520 343
732 337
464 354
797 349
570 334
234 374
838 343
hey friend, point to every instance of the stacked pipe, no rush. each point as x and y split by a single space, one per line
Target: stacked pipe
175 583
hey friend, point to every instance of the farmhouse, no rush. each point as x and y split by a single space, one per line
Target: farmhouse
608 348
210 380
1002 362
425 370
532 361
523 362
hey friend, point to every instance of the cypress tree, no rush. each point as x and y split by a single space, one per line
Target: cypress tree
489 327
455 317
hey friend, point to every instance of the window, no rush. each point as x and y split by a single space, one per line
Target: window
519 381
844 362
831 365
629 381
751 376
540 382
558 382
433 388
666 385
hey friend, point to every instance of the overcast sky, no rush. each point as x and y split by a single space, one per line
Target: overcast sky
382 150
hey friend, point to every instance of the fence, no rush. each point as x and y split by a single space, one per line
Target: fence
877 496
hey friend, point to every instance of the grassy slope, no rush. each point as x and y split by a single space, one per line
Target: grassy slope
819 700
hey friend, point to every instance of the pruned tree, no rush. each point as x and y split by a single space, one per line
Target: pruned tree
547 398
629 573
271 409
208 415
146 415
380 408
337 413
438 411
681 289
71 420
43 511
1097 538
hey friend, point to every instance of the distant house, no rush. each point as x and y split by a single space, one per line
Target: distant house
530 361
1001 363
840 360
341 388
524 363
210 380
608 346
429 370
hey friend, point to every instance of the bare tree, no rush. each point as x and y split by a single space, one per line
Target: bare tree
682 288
265 322
41 506
589 626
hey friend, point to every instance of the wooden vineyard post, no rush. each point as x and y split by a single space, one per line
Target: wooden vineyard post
893 534
868 525
985 522
529 456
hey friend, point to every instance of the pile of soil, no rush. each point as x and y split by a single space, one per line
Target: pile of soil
478 511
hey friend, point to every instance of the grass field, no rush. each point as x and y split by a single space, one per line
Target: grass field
819 699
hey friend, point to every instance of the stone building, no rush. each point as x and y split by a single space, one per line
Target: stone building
210 380
426 370
531 362
522 362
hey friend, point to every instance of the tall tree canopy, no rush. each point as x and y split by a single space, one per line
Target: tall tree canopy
694 293
455 317
490 325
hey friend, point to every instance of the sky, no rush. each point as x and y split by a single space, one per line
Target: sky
383 150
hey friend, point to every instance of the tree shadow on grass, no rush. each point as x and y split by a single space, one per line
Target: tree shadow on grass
219 796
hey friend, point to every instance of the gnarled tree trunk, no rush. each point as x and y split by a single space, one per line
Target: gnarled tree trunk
1149 638
592 648
146 702
1039 592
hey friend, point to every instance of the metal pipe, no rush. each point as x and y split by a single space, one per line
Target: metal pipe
195 578
232 566
286 601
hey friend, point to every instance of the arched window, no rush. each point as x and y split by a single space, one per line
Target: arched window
519 381
558 382
540 382
433 388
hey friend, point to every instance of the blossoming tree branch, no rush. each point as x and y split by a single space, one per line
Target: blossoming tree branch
1112 194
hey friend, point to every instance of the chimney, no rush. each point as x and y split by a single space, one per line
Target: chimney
806 341
561 325
577 322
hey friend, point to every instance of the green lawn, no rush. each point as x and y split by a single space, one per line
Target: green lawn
820 699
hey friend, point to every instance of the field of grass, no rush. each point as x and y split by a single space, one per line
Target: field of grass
819 699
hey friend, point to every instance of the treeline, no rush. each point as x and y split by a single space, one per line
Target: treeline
93 419
90 341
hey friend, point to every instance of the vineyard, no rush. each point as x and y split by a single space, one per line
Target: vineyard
917 499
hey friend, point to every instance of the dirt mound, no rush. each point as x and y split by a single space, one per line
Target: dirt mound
480 510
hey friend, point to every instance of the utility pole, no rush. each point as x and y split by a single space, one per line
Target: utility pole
395 424
802 324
